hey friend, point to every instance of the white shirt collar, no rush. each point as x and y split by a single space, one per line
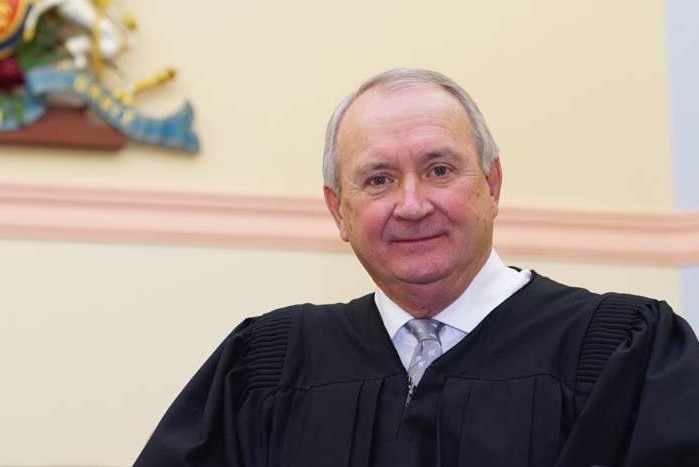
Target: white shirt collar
493 284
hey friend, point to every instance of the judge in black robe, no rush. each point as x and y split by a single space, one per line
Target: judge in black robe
554 376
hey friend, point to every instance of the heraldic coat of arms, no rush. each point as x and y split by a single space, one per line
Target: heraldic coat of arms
58 68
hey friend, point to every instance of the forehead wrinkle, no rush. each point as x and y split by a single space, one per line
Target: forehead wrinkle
378 157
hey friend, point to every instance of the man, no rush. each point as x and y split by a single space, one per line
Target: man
531 372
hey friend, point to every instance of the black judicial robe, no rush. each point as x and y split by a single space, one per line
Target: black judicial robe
554 376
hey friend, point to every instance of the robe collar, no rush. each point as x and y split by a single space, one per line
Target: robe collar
493 284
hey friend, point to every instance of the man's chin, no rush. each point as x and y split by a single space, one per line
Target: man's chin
420 277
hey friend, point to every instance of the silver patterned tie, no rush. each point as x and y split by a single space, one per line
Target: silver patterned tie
428 348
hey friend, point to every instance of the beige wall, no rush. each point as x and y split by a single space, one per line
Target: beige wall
575 93
97 339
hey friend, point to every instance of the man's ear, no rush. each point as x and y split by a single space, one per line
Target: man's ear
494 179
332 201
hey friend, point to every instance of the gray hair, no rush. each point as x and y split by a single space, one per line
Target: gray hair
396 79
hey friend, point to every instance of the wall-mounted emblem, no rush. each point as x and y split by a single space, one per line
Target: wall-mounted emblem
60 83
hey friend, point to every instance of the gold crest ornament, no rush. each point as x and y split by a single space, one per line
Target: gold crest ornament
54 47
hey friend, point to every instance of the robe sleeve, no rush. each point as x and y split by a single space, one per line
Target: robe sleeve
201 427
638 386
666 424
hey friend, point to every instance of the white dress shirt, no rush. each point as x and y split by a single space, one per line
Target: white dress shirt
493 284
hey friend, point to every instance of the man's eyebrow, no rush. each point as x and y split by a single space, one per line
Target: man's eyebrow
372 166
440 153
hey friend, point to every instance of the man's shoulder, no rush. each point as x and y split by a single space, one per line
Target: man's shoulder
308 314
605 319
582 311
259 347
550 290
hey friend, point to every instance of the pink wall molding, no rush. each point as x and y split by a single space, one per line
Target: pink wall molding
83 214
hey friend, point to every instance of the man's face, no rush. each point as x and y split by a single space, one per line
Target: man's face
414 202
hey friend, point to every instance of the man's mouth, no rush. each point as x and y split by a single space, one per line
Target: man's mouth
415 239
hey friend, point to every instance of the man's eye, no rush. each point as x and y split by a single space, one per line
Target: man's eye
440 170
378 180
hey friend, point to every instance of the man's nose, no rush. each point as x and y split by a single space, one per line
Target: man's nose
412 201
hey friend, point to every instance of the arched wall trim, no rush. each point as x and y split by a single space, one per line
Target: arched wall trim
45 212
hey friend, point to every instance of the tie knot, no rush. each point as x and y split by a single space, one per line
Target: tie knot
424 329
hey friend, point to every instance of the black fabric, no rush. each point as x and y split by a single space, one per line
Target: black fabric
554 376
